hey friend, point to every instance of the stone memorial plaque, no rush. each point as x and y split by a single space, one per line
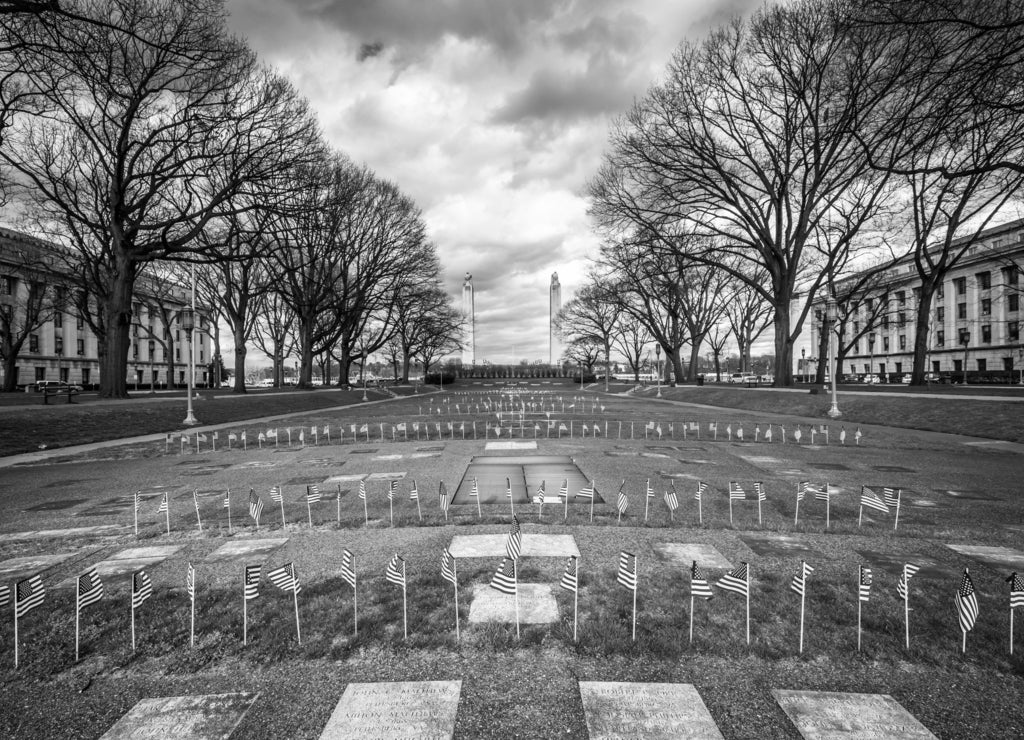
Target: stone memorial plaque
388 457
57 505
400 709
761 460
511 444
386 476
534 545
696 461
156 551
684 555
828 715
256 464
69 482
126 562
435 448
352 478
363 452
420 455
209 717
892 564
304 480
660 455
245 549
776 545
101 530
23 567
653 711
537 605
999 557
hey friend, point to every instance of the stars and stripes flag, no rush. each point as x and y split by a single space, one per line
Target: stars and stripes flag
275 494
5 594
448 567
702 488
28 594
163 504
538 498
255 506
348 570
362 490
313 494
908 572
621 500
870 499
442 496
891 496
251 582
801 489
142 588
1016 590
864 585
90 588
799 582
414 492
563 490
284 578
736 492
650 490
627 570
966 603
392 490
504 579
190 581
570 578
822 493
759 491
699 583
514 540
227 498
587 492
138 500
475 490
395 572
736 580
671 498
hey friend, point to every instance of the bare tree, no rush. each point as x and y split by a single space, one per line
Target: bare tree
274 331
631 337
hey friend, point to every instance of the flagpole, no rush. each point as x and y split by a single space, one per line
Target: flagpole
245 612
136 514
828 506
700 508
78 609
906 607
195 500
647 501
229 510
281 489
636 585
133 613
355 608
455 574
896 522
576 602
691 603
759 523
860 515
566 516
730 507
309 508
15 625
1011 630
803 597
515 580
366 512
405 607
748 604
391 508
592 497
167 514
338 502
963 647
418 511
295 598
859 576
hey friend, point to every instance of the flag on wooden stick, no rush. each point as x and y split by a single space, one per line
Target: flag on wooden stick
627 577
250 590
570 581
449 572
395 573
190 589
621 501
348 574
903 589
966 606
698 587
738 581
142 589
442 497
88 591
255 507
514 540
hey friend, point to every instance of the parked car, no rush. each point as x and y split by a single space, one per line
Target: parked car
58 385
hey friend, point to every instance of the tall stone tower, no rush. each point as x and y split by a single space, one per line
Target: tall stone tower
469 322
555 305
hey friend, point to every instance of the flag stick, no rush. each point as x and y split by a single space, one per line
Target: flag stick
636 585
858 608
896 521
405 613
691 610
133 614
796 516
366 512
515 580
418 511
282 506
391 509
748 605
963 648
1011 630
167 517
730 508
860 515
576 602
619 435
647 504
16 626
295 598
759 510
245 613
803 596
192 629
229 511
828 506
566 517
455 572
592 503
906 609
136 514
195 500
355 608
338 501
700 510
78 608
309 508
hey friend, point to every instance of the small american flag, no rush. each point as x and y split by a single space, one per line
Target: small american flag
864 592
284 578
5 594
563 491
504 579
348 570
163 504
823 494
538 498
442 497
414 492
759 490
799 583
627 570
891 496
251 582
255 506
395 572
142 588
28 594
313 494
736 492
737 580
966 603
514 540
1016 590
90 588
448 567
870 499
227 499
671 499
621 501
275 494
475 490
392 490
138 500
702 487
801 489
190 581
699 583
908 572
570 578
587 492
650 491
362 490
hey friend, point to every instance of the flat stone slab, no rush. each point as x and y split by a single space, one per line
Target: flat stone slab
511 445
128 561
537 605
245 549
386 476
893 564
157 551
534 546
400 709
707 556
208 717
829 715
775 545
16 568
1000 557
348 478
653 711
108 530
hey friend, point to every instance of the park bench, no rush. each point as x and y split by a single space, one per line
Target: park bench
69 391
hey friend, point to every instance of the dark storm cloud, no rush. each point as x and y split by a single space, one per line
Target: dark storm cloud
567 96
369 50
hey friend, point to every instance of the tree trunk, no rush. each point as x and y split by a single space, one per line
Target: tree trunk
677 365
694 357
924 306
823 358
10 363
783 347
117 319
406 361
240 353
305 379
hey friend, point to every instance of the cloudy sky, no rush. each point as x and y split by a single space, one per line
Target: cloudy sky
491 114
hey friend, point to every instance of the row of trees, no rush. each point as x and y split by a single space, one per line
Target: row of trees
786 151
141 134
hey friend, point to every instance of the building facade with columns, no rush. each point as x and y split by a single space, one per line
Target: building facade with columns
974 321
39 299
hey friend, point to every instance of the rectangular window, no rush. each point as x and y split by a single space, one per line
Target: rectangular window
901 319
7 311
79 322
961 310
1013 302
961 286
177 354
982 364
984 280
6 285
1013 331
885 344
936 364
40 373
958 366
986 334
901 298
903 342
986 306
80 346
58 345
135 350
86 375
58 320
940 338
940 290
885 321
1010 275
940 314
33 342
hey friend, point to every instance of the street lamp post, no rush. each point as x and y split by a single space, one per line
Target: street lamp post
188 323
831 315
657 362
803 363
1020 355
871 356
965 340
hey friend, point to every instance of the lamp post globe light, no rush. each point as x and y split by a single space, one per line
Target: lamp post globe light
188 323
831 314
803 363
871 356
657 355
